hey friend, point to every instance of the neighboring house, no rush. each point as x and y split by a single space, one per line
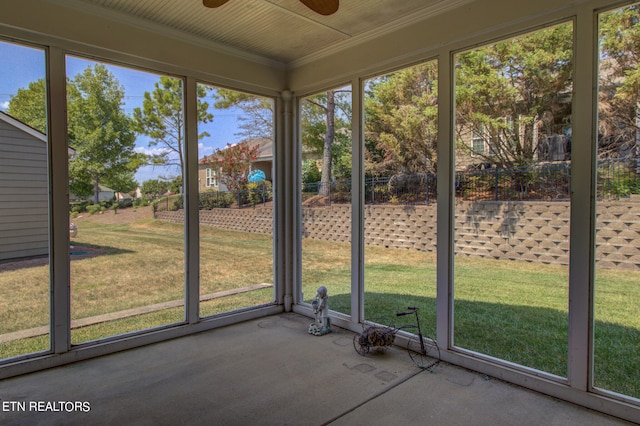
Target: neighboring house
208 176
124 196
24 191
104 194
475 146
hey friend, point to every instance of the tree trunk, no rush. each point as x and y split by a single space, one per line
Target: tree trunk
325 180
96 191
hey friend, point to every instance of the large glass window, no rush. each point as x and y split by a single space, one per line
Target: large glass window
235 164
617 278
126 136
326 196
401 111
512 200
24 201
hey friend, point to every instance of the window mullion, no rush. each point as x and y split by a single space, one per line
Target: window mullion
59 202
582 222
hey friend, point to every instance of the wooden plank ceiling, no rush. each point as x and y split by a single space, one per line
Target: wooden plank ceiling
283 31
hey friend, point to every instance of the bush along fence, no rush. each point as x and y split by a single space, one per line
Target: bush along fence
255 194
617 178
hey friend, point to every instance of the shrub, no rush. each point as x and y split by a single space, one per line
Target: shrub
79 206
215 199
171 203
127 202
95 208
380 194
341 191
310 172
259 192
178 203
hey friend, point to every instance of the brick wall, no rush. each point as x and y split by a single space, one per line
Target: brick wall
246 220
410 227
327 223
618 236
531 231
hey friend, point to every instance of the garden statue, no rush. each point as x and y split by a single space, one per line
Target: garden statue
322 324
73 230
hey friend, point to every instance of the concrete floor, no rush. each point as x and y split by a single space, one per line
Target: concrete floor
270 371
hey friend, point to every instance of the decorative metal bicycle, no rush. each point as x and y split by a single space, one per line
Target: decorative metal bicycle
423 352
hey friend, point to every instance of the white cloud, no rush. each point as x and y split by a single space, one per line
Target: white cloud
4 105
150 151
204 149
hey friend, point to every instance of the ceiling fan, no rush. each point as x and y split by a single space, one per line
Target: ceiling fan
323 7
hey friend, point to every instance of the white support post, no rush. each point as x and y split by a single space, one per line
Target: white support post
445 201
357 202
58 202
582 226
191 204
287 213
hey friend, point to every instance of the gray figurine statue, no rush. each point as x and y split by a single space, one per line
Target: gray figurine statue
322 324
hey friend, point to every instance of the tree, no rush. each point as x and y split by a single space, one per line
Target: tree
175 184
258 112
619 112
30 105
310 172
327 155
401 124
98 130
162 119
234 164
100 134
322 114
154 187
514 93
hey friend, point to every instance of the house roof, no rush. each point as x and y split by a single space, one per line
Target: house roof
103 188
265 150
23 126
9 119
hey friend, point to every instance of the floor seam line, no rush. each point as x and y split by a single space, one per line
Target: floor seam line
372 397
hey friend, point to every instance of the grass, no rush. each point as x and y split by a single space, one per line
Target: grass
511 310
516 311
143 264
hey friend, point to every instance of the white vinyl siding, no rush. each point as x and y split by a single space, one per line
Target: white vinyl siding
23 192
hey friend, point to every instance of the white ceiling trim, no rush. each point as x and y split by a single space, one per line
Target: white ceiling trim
428 12
162 30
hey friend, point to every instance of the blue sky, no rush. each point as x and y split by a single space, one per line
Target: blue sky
20 65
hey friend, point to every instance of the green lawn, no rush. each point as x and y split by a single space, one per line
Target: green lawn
517 311
142 264
510 310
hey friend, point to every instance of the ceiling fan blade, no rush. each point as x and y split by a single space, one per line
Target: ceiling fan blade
323 7
213 3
